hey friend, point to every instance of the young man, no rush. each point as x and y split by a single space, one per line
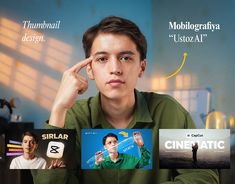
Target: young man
116 57
28 160
116 160
194 150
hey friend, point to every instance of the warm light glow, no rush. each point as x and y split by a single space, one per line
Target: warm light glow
50 82
163 85
10 24
58 55
24 78
27 70
155 84
6 63
187 81
231 122
216 120
48 92
7 60
30 52
179 82
24 90
47 104
4 79
5 69
55 64
8 42
159 84
59 45
9 33
183 82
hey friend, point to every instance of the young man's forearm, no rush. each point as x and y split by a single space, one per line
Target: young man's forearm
71 85
57 117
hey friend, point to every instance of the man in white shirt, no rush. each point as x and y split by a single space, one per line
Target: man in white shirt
28 160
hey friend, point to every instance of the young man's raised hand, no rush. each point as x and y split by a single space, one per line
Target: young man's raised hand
72 84
99 157
138 139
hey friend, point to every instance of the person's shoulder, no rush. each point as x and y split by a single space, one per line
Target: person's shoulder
156 97
16 160
163 101
41 159
165 110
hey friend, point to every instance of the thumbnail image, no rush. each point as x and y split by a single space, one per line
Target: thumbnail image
116 148
42 149
194 148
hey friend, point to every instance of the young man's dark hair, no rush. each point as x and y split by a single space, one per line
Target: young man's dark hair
116 25
109 135
31 134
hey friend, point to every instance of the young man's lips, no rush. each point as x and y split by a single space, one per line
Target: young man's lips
115 81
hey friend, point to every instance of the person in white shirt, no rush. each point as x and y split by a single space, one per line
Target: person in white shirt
28 160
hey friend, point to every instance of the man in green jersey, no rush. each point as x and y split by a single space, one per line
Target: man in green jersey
116 160
115 52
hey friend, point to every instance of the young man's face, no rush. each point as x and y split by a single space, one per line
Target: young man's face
29 145
111 144
116 66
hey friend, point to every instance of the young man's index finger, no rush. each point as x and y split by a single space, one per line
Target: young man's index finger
77 67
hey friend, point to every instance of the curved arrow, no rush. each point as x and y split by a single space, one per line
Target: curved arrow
181 66
125 134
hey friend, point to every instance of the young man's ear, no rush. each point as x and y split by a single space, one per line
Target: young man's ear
89 71
143 64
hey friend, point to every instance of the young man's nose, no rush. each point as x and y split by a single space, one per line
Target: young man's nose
28 144
115 66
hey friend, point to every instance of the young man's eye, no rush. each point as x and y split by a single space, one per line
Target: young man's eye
102 59
125 58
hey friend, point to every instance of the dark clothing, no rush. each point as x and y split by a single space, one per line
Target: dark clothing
194 150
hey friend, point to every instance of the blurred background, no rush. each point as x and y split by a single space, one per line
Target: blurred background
30 72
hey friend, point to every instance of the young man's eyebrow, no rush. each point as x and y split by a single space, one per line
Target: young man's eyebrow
120 53
126 52
101 52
